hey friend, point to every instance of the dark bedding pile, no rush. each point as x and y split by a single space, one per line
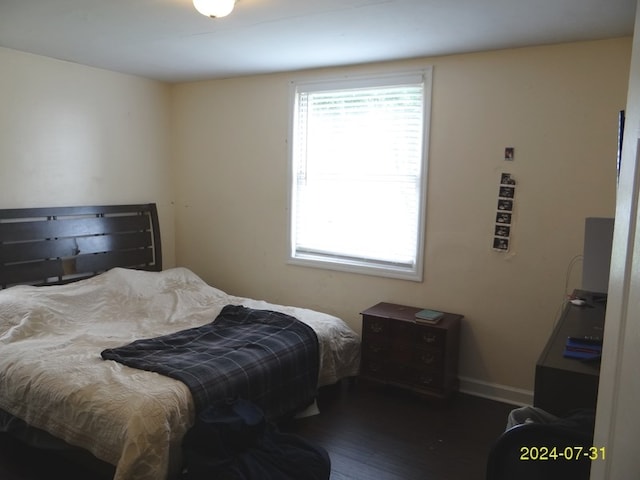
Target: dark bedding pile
266 357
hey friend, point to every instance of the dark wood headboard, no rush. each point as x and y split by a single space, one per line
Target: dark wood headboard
47 246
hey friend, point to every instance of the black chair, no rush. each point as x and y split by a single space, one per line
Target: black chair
535 451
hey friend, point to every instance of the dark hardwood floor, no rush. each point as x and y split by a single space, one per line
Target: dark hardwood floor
370 432
382 433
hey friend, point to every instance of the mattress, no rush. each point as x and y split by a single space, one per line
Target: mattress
53 377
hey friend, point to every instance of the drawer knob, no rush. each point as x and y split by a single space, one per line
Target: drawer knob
376 327
429 337
428 358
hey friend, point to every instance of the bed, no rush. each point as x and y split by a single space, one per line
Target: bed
78 281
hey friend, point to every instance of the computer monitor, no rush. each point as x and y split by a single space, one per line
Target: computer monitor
598 240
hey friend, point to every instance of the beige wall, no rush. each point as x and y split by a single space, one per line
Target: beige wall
75 135
557 105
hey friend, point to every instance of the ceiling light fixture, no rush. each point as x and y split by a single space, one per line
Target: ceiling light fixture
214 8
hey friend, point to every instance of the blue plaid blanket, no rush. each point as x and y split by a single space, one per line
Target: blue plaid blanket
266 357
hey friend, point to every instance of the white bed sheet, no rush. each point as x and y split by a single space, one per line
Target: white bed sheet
52 375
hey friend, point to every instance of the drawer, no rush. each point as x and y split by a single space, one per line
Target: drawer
428 336
375 366
376 326
375 347
428 358
426 379
411 375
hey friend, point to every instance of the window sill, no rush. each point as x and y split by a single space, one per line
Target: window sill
360 268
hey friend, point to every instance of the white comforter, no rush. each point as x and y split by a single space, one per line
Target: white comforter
52 375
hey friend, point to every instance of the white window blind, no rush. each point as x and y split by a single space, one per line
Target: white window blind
358 174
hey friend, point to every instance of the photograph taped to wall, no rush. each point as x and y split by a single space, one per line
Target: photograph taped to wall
507 192
502 231
503 218
509 153
507 179
501 244
505 205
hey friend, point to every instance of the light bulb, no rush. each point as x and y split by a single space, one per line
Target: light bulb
214 8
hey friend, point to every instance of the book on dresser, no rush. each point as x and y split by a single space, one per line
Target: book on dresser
428 316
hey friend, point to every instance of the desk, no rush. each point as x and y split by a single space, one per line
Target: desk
564 384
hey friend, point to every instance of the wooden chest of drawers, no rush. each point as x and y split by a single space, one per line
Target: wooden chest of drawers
398 351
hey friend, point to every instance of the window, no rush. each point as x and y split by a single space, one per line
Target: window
358 173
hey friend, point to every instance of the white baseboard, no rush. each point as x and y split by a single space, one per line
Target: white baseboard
494 391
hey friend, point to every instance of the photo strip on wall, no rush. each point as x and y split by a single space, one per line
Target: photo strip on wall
504 213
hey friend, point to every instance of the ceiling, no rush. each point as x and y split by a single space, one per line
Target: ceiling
169 40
